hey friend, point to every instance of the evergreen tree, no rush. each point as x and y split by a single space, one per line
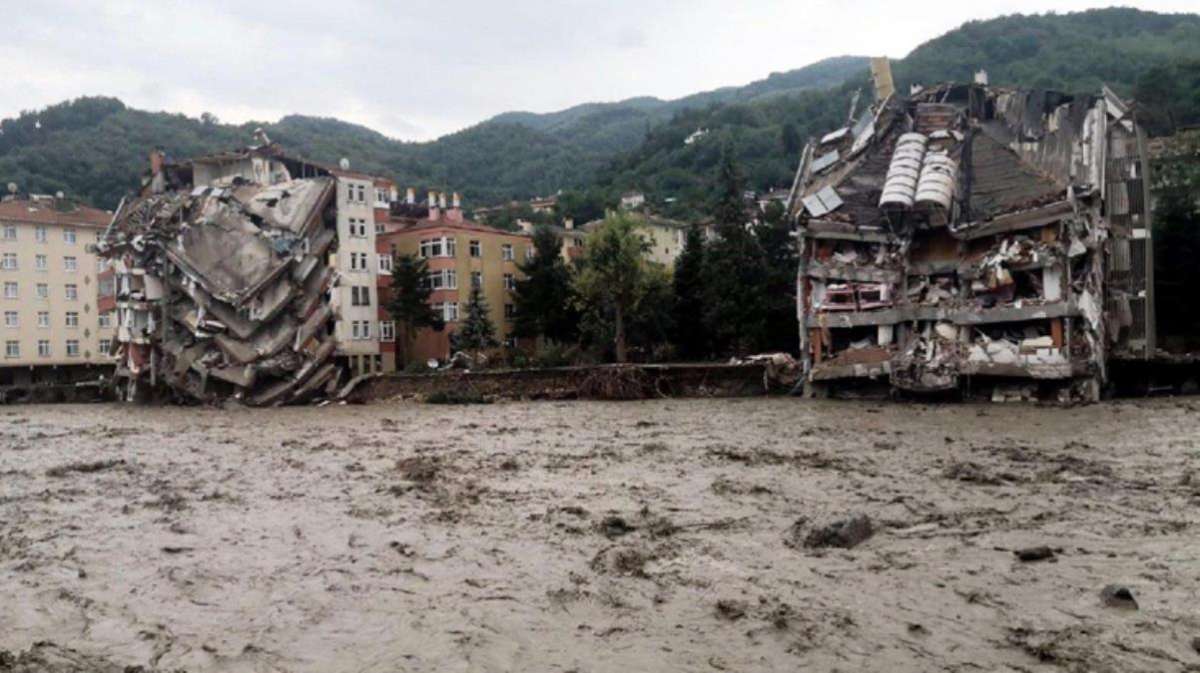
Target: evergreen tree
688 284
409 301
477 331
542 298
774 236
735 277
613 279
789 137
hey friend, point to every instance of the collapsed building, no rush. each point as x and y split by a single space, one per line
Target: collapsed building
232 282
974 238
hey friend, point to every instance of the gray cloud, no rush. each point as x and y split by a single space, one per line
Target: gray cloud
423 68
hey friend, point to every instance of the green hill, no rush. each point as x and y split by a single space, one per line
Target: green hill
1155 57
95 148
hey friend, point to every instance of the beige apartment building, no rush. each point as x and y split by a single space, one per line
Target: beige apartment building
52 329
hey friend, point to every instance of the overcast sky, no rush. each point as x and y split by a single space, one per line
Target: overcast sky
418 69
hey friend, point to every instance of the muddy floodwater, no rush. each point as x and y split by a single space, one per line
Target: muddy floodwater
670 535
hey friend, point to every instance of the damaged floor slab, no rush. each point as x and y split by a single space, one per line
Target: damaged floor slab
973 236
224 280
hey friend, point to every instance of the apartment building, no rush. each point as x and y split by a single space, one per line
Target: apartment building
461 254
664 236
53 329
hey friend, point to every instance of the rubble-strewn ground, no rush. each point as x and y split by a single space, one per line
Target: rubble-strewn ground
584 537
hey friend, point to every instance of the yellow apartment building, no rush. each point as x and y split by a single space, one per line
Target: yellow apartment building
461 254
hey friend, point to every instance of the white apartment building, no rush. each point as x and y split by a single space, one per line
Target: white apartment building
356 300
51 330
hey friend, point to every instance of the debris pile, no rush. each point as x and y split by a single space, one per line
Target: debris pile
224 289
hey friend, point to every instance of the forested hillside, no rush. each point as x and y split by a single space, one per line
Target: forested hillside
95 148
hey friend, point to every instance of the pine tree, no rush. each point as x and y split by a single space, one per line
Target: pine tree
735 278
542 298
477 332
613 279
774 236
409 301
688 312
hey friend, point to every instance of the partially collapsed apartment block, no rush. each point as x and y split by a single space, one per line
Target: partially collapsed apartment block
246 275
977 239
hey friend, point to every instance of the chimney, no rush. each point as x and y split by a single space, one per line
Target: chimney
442 200
410 196
568 223
981 77
434 213
157 158
455 213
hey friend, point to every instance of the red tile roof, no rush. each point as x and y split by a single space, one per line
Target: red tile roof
39 212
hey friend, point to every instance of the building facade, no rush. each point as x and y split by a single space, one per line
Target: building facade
53 326
461 255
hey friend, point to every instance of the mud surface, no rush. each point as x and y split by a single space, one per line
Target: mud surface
735 535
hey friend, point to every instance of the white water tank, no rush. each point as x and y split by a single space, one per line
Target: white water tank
939 174
904 171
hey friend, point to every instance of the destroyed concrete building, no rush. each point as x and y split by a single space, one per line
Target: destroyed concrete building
974 238
239 275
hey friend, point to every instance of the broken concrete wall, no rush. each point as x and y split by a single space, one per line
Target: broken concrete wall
223 289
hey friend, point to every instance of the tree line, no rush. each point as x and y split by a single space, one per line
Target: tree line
731 292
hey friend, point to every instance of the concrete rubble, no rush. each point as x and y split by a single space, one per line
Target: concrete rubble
224 289
971 236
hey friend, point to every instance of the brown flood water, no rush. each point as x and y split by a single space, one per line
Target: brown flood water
583 536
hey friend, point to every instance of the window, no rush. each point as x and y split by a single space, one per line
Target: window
360 329
72 292
446 279
385 263
72 319
358 261
510 282
382 197
476 279
107 287
529 252
10 232
438 247
105 320
39 234
360 295
43 319
362 194
510 342
43 291
10 319
41 262
69 236
510 311
387 330
12 349
449 310
72 348
70 264
358 227
105 346
10 290
43 348
506 252
379 228
476 249
9 262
